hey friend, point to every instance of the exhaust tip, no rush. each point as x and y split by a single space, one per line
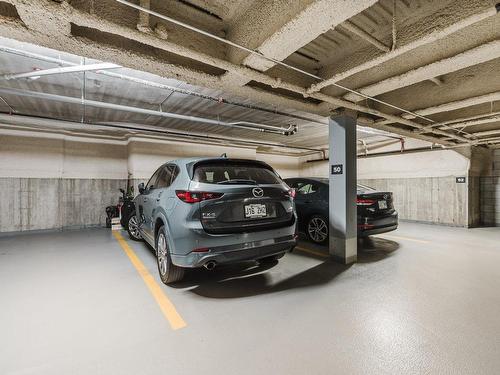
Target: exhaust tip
210 265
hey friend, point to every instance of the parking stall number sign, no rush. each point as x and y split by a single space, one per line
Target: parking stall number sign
337 169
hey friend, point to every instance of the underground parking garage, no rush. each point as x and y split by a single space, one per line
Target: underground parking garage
249 187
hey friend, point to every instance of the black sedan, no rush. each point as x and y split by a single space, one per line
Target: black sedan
376 213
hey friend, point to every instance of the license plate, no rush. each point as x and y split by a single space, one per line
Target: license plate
255 210
382 205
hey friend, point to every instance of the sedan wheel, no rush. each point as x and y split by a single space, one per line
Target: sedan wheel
133 228
317 229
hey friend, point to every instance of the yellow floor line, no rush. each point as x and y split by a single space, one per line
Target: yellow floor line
167 307
403 238
313 252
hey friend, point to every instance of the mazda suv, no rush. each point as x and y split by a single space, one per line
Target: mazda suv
211 211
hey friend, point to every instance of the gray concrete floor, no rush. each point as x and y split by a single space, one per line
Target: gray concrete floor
423 299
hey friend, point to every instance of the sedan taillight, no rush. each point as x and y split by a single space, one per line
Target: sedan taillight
364 202
196 196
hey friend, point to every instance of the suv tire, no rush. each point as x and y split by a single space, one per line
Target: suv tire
133 228
169 272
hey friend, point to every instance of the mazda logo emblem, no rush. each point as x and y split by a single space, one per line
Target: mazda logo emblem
257 192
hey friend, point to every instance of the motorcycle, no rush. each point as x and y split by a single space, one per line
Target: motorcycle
124 209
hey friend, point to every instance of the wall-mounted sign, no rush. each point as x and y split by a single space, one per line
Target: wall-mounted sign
460 180
337 169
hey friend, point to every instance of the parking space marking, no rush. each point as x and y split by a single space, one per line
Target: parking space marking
313 252
166 306
404 238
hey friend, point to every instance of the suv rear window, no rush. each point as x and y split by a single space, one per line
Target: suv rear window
234 173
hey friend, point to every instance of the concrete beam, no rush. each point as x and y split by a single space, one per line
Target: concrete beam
485 133
459 121
461 125
348 25
456 16
436 81
277 39
143 23
279 28
458 104
400 120
474 56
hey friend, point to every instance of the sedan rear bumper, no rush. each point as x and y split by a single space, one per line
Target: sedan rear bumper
371 226
371 232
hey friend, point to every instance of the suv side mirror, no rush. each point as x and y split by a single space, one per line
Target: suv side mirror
141 188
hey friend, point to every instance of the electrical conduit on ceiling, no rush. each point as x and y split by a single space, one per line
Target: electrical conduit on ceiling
93 103
29 121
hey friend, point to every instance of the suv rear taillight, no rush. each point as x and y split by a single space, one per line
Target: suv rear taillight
196 196
364 202
292 193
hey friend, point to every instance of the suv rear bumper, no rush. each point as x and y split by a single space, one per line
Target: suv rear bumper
236 253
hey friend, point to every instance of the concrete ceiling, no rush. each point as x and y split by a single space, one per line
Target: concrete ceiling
438 59
136 89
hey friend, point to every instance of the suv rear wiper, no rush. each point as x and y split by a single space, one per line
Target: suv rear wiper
237 181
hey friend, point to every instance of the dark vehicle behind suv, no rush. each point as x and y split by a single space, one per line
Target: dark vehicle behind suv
210 211
376 213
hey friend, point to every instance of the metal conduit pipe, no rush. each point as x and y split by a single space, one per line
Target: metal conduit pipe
157 85
414 150
28 120
60 70
8 105
93 103
35 56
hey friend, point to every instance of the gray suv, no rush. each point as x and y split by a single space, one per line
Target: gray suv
210 211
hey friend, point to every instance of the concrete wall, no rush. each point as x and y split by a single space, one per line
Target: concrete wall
55 203
437 200
490 193
286 166
423 183
57 181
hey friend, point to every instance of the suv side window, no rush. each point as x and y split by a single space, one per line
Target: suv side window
175 173
165 177
152 181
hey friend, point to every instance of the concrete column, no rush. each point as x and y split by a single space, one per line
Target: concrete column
342 201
